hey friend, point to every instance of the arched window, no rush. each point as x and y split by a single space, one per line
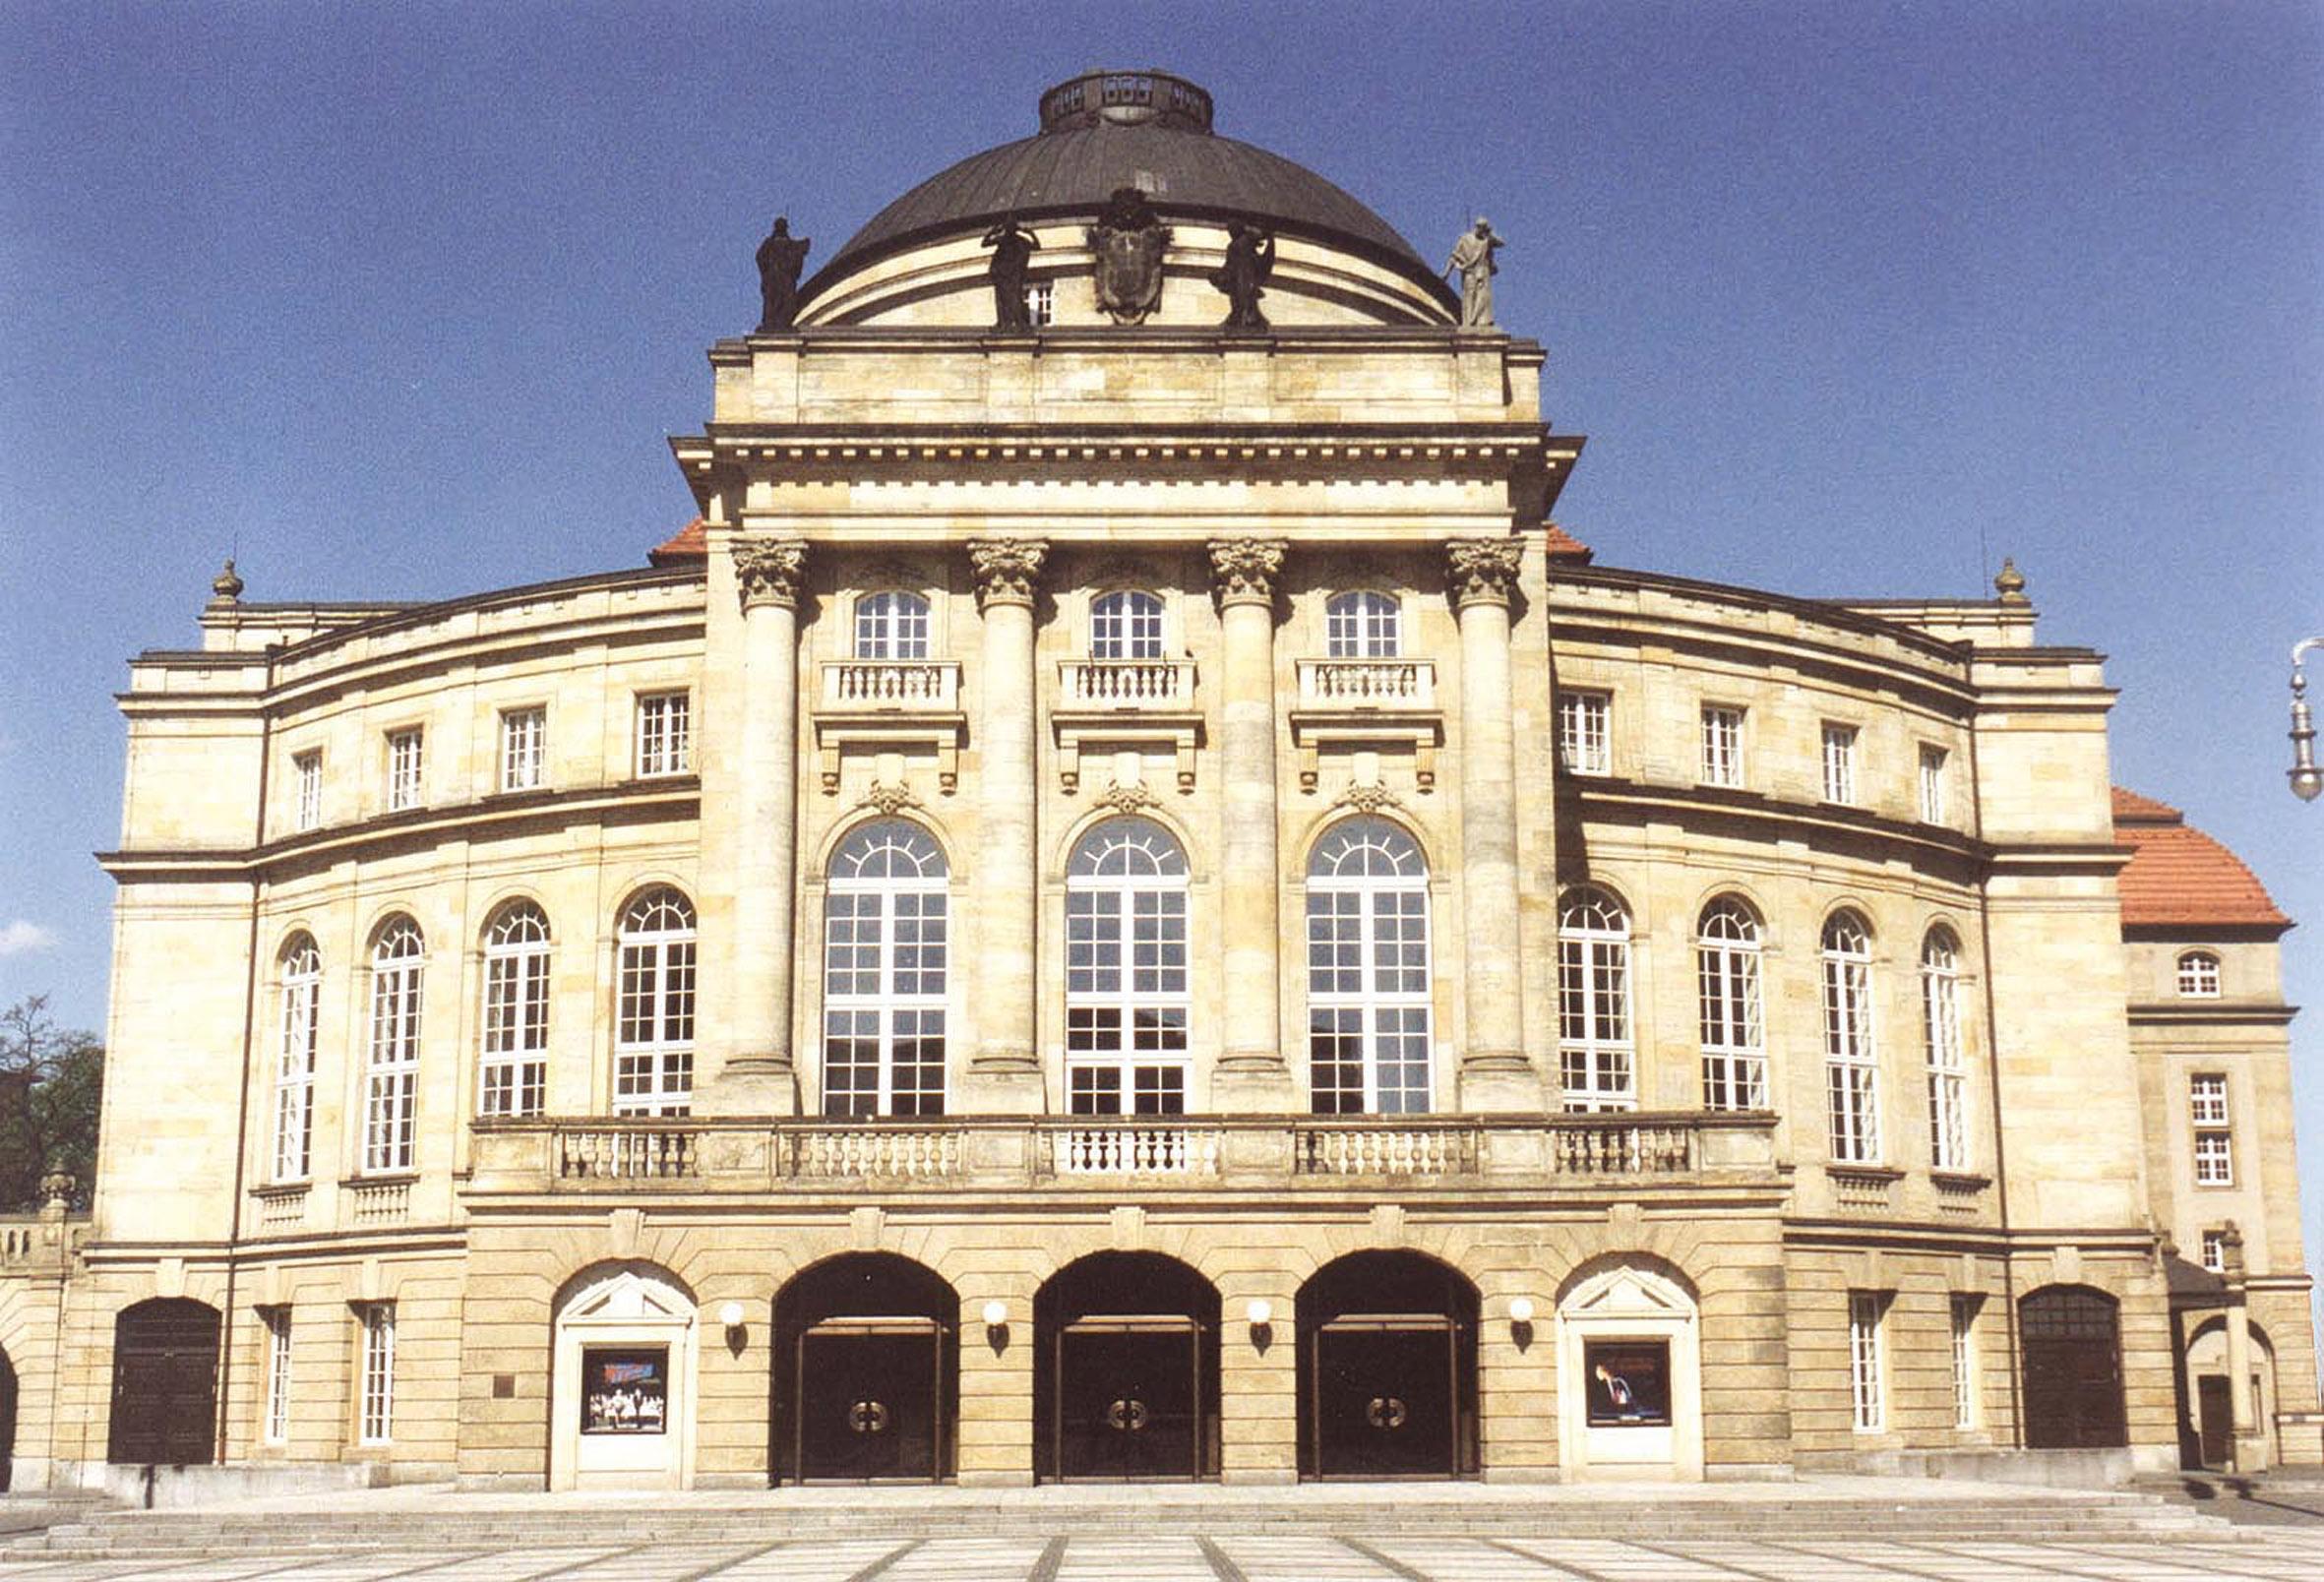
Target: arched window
1368 971
1362 625
1941 1032
1125 625
1596 1057
654 1029
301 972
891 624
2198 975
1734 1040
1852 1070
1126 971
392 1078
884 953
513 1078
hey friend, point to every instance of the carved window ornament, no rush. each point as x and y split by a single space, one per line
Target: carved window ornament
1131 798
1007 571
1483 570
769 570
889 798
1244 571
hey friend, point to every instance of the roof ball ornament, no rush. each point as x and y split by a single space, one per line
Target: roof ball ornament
1243 277
1012 248
226 586
781 258
1472 259
2011 583
1129 240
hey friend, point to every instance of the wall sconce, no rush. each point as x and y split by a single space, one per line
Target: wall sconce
1521 1321
996 1317
1262 1314
730 1319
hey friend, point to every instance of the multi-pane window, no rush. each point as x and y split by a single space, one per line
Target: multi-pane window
294 1058
2198 975
1940 1039
1127 999
1839 762
1040 303
1721 745
1368 971
665 723
653 1023
406 763
513 1076
377 1405
392 1073
885 949
891 624
523 749
2215 1251
1852 1072
308 768
277 1401
1734 1040
1362 625
1125 625
1963 1321
1596 1057
1864 1312
1583 742
2215 1143
1933 785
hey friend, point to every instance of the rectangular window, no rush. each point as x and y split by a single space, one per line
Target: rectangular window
523 749
1733 1049
392 1087
2215 1146
1933 785
1721 745
308 768
1948 1071
1864 1312
1040 303
514 1077
294 1067
1585 745
278 1322
664 729
1839 762
1964 1317
379 1373
1852 1072
2215 1251
405 762
2198 975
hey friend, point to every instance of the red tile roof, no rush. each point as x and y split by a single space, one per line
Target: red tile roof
1563 545
687 544
2179 877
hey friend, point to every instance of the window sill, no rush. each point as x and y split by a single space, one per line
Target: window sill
383 1178
1960 1181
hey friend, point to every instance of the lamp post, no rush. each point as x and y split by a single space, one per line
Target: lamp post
2307 778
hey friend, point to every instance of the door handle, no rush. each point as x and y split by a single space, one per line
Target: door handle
1385 1412
868 1417
1127 1416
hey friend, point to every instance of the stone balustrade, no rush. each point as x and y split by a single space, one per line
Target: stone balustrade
1385 684
40 1242
1139 684
894 684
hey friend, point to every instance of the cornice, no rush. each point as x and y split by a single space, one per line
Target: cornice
1612 799
2211 1014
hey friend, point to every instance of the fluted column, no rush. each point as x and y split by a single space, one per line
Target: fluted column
758 1078
1004 1072
1251 1075
1495 1073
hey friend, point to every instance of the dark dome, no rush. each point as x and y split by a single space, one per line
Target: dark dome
1127 129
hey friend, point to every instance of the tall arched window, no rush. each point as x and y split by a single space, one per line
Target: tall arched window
891 624
1368 971
1125 625
884 955
1941 1030
1852 1068
1596 1057
391 1074
513 1075
654 1029
1733 1042
294 1061
1126 971
1362 625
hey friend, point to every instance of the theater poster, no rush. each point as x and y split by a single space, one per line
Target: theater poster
625 1390
1629 1383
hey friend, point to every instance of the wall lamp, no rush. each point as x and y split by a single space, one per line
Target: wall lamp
730 1319
2307 778
1521 1321
996 1317
1262 1314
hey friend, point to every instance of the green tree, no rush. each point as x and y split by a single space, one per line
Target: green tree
50 1081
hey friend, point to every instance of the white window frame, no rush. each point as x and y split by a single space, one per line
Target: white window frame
1961 1321
2198 975
887 967
276 1428
665 734
398 973
408 765
893 624
1940 1039
298 1022
1040 303
2214 1249
1723 745
1839 759
513 1055
1729 946
1597 1030
1125 872
1363 623
1128 624
1585 734
375 1393
1868 1312
2214 1138
307 766
1852 1065
1932 784
657 991
524 748
1367 888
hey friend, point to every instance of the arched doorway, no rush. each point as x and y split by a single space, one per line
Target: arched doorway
1387 1370
623 1382
2207 1387
1125 1370
866 1373
164 1383
2072 1340
7 1419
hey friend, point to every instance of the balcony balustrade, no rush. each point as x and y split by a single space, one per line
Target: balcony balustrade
892 684
1385 684
1141 684
889 705
1112 706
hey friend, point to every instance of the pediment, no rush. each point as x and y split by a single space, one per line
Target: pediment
1628 1294
629 1297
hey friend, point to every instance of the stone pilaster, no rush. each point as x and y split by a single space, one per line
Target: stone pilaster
1495 1073
1251 1075
1004 1071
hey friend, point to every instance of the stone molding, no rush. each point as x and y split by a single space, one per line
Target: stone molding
1244 571
768 570
1007 571
1483 570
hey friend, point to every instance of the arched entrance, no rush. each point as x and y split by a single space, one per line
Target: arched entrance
866 1373
164 1383
7 1419
623 1382
1125 1370
2207 1387
1387 1370
1630 1374
2072 1340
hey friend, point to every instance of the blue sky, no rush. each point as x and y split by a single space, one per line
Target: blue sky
1851 298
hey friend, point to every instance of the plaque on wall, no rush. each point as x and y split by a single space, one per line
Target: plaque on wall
1630 1383
625 1390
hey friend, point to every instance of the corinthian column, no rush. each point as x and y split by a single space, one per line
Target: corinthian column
1251 1075
1004 1072
758 1077
1495 1073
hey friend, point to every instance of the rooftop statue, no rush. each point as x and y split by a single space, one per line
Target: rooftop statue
779 259
1129 240
1243 277
1472 257
1013 249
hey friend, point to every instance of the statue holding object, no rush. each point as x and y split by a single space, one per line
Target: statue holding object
781 258
1243 277
1013 250
1472 258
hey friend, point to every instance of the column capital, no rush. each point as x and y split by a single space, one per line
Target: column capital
768 570
1243 570
1483 570
1007 571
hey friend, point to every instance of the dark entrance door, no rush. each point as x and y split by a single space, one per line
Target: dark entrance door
870 1401
164 1383
2073 1367
6 1419
2217 1411
1387 1397
1129 1397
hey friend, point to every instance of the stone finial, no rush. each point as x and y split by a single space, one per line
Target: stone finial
1483 570
226 587
1007 571
2010 583
1243 570
56 1191
2231 1250
768 570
